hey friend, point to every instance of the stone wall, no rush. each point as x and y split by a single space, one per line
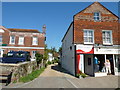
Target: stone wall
19 70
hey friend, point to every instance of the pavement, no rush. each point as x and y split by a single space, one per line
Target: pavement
56 77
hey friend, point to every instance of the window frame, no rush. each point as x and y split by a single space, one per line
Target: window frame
19 43
33 41
111 37
11 39
87 36
97 16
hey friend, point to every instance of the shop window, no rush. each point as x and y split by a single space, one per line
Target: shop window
12 39
97 16
88 36
107 37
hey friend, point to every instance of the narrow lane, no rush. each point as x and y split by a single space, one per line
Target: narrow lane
52 77
56 77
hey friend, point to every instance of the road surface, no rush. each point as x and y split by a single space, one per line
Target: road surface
56 77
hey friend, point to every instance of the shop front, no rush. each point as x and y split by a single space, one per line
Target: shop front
84 59
86 56
110 53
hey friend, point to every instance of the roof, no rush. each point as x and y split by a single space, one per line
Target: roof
85 9
100 5
23 30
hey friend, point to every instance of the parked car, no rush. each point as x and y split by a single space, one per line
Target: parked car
16 57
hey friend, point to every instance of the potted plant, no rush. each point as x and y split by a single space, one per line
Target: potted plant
81 75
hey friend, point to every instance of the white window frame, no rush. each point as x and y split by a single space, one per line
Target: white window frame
110 37
97 16
21 38
88 36
1 38
11 39
33 41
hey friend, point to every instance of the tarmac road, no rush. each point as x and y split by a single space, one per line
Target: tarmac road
56 77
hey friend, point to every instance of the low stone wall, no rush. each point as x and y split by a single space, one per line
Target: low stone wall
19 70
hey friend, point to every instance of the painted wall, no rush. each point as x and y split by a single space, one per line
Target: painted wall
68 57
50 57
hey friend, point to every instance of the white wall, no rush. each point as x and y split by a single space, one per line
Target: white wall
1 52
68 58
50 57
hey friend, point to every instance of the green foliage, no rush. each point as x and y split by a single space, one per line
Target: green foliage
14 81
49 62
60 50
39 57
31 76
4 55
56 60
81 74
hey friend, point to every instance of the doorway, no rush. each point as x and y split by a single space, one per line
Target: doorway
101 60
88 64
110 57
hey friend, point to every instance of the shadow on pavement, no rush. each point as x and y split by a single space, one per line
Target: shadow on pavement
60 69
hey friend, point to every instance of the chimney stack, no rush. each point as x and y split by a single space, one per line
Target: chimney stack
44 29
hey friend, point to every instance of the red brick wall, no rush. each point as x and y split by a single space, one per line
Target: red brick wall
27 41
97 27
6 37
84 20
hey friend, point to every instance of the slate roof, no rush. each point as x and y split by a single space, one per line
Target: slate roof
23 30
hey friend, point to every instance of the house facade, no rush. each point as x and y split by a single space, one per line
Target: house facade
21 40
50 57
93 34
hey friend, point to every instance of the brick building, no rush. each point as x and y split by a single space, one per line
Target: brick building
22 40
93 33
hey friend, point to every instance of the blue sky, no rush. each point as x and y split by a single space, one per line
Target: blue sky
56 15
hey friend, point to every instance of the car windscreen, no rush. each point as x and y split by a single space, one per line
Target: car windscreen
20 54
9 54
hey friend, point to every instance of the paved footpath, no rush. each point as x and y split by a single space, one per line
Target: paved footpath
56 77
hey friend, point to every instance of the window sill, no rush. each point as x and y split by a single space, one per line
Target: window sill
20 44
12 43
107 43
35 44
88 43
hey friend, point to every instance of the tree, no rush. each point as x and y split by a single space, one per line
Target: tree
53 51
60 50
39 58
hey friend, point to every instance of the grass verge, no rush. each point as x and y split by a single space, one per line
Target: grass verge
32 75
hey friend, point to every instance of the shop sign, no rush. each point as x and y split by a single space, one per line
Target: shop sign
106 51
84 49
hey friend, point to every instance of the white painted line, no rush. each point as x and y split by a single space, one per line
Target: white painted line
71 83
